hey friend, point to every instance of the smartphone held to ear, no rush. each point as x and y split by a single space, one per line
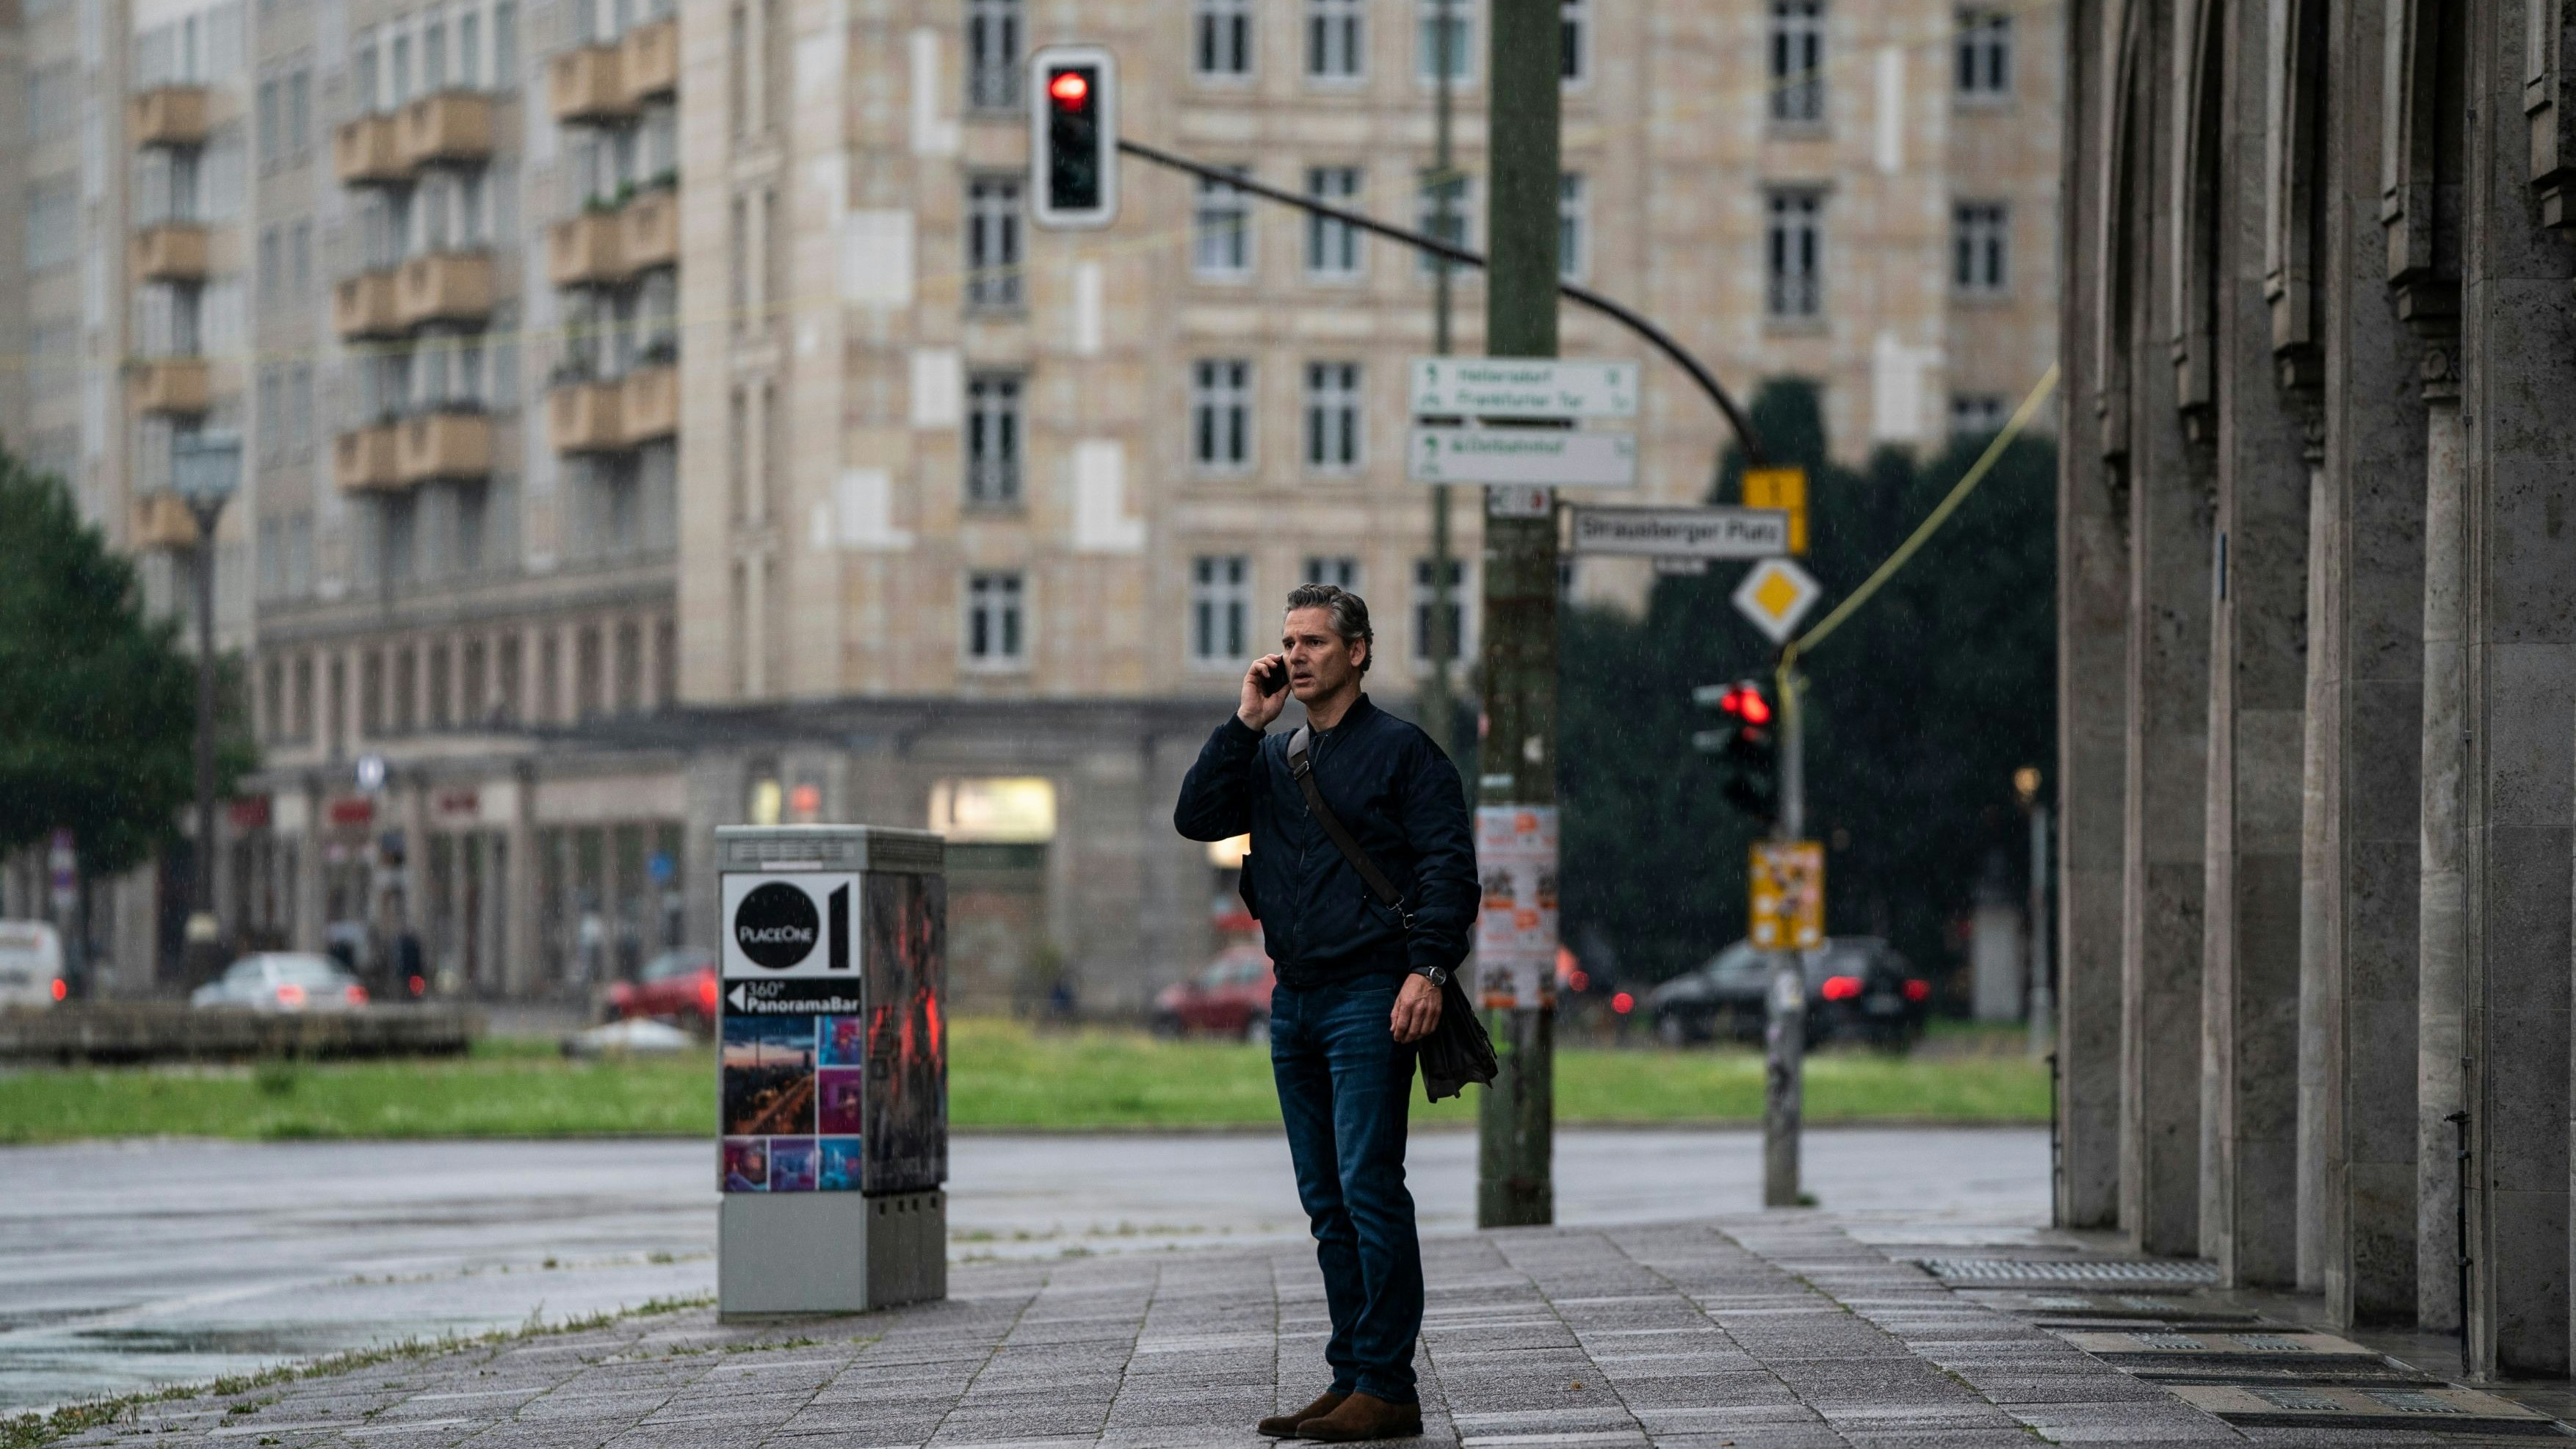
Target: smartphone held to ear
1273 677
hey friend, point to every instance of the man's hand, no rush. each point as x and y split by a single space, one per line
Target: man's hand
1259 709
1417 1009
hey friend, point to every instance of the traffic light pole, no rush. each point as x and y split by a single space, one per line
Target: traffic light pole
1785 1033
1515 1149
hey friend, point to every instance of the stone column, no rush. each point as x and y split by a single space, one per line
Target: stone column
312 904
2518 771
518 897
2441 940
2092 691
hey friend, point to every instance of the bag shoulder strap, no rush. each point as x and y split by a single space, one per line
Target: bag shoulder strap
1302 770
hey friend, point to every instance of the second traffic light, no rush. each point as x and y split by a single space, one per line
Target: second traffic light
1073 136
1748 752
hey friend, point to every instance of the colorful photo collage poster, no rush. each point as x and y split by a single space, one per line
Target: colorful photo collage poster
794 1098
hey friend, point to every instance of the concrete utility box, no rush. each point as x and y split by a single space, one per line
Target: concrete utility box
831 1069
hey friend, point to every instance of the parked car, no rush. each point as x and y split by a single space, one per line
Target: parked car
1858 988
31 965
1231 997
679 985
283 981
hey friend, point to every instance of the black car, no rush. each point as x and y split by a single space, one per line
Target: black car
1858 988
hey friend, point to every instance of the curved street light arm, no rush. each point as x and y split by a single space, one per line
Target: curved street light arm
1616 311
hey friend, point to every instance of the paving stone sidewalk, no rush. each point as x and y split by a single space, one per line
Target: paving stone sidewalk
1777 1330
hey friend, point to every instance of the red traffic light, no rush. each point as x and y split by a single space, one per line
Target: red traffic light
1069 88
1746 703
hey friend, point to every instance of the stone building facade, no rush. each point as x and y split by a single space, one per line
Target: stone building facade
2318 651
681 424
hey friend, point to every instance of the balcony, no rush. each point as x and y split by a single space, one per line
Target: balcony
363 306
168 116
452 128
362 460
582 417
583 251
648 61
172 385
161 520
582 87
363 153
648 230
171 251
651 408
442 445
443 287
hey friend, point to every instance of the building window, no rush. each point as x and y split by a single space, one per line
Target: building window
1985 53
993 241
1221 414
1336 39
1332 247
1793 244
1570 232
1574 61
272 138
1976 413
1980 248
993 434
1798 61
993 54
1221 37
1448 44
996 620
1453 642
1220 609
1449 225
1333 416
1221 230
1340 570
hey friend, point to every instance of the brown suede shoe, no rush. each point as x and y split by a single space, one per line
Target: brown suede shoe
1364 1416
1284 1426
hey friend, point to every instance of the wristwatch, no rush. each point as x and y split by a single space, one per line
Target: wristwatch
1436 975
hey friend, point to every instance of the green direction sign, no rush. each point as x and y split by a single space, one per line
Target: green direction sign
1547 457
1534 388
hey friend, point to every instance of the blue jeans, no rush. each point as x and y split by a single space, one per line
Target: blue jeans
1343 1081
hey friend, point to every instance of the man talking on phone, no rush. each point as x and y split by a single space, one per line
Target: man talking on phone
1363 875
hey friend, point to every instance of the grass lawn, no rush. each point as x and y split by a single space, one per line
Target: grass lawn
1001 1076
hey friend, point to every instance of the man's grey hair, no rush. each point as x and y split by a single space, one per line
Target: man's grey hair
1349 614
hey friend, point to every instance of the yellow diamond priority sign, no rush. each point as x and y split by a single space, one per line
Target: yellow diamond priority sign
1775 596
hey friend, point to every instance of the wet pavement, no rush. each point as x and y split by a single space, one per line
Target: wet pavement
131 1265
1788 1329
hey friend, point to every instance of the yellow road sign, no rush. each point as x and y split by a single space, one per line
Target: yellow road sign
1783 488
1788 879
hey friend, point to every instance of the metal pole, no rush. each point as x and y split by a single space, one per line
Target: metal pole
1784 1033
1515 1184
1439 702
206 514
2043 1001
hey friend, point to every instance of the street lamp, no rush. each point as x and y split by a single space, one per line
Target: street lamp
205 469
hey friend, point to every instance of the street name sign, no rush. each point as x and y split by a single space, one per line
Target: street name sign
1522 387
1775 595
1683 533
1544 457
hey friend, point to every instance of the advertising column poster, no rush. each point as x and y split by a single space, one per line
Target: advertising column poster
1516 928
791 1050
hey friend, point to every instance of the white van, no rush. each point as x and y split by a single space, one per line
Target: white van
31 964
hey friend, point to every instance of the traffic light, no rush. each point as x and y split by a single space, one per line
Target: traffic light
1073 136
1748 754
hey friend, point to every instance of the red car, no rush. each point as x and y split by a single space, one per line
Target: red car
1231 997
677 986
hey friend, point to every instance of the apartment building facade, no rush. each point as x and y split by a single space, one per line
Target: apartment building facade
702 433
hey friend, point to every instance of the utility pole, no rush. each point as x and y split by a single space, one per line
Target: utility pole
1439 703
205 469
1785 1030
1515 1184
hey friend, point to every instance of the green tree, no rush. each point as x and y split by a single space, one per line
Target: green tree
1918 710
97 703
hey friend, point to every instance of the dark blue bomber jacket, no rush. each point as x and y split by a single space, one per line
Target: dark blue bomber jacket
1399 797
